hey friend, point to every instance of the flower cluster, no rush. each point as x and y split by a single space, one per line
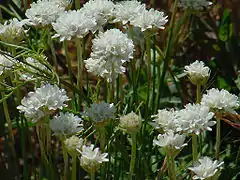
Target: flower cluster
73 24
12 31
43 13
6 63
63 3
92 158
205 168
109 51
194 4
98 113
198 73
66 123
220 100
131 122
73 144
46 98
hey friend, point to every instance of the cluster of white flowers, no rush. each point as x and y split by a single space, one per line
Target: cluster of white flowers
205 168
32 65
109 51
194 4
66 123
91 158
6 63
170 140
100 10
100 112
194 118
43 13
12 31
220 100
63 3
198 73
131 122
46 98
73 24
73 144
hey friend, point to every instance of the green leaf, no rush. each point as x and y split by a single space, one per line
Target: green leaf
225 30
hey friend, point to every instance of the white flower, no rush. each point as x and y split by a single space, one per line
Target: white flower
109 51
101 10
73 24
165 119
73 144
220 100
126 11
205 168
66 123
6 63
194 4
46 98
44 12
91 158
170 140
31 66
12 31
194 118
149 19
131 122
198 73
63 3
100 112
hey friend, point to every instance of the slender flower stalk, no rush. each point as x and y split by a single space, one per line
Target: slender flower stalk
77 4
194 147
133 155
171 166
92 176
74 167
80 66
218 138
51 45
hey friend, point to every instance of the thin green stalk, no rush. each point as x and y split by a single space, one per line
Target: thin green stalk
77 4
50 43
133 155
79 76
92 174
218 138
199 93
74 167
154 77
65 159
113 85
171 167
25 4
194 147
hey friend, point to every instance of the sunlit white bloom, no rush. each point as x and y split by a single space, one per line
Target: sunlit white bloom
194 118
46 98
170 140
198 73
73 144
149 19
165 119
101 10
194 4
91 158
220 100
73 24
130 122
12 31
6 63
44 12
66 123
109 51
63 3
31 67
100 112
126 11
205 168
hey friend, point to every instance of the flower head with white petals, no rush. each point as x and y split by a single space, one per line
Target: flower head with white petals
194 4
72 24
73 144
101 10
205 168
194 118
131 122
100 112
91 158
43 13
220 100
63 3
66 123
6 63
109 51
126 11
170 140
46 98
12 31
149 19
198 73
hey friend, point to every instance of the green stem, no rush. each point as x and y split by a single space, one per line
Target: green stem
199 93
77 4
194 147
65 159
133 155
74 167
92 174
218 138
25 4
113 85
79 60
171 167
50 43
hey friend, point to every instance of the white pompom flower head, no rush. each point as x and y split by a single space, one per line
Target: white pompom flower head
196 5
